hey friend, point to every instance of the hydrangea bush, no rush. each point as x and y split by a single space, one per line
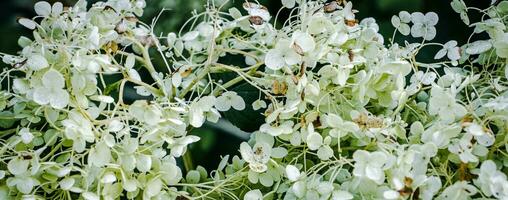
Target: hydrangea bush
349 113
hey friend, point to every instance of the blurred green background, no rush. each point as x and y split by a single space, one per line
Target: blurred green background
220 139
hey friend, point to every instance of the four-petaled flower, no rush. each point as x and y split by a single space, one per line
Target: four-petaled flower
423 25
52 91
370 165
401 21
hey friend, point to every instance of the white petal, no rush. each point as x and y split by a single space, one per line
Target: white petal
246 152
196 117
374 173
42 8
57 8
292 58
274 60
361 156
42 96
66 183
266 179
314 140
325 152
288 3
25 185
431 18
404 29
417 30
454 53
440 54
341 195
292 173
18 166
153 187
395 21
223 103
258 104
404 16
26 136
130 61
143 163
134 74
237 103
90 196
391 194
60 99
397 67
190 36
37 62
28 23
53 79
478 47
253 195
304 40
431 33
279 152
417 17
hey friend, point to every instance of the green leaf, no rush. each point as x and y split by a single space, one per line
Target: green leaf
6 119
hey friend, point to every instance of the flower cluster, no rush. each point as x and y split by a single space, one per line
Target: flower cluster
347 115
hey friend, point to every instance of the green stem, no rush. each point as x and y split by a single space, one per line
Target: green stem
236 80
200 76
187 161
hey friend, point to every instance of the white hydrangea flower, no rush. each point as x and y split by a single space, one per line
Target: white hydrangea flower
491 181
51 91
401 22
100 155
440 134
459 190
464 148
340 128
258 104
480 135
79 130
443 104
451 50
370 165
281 128
202 109
178 146
429 187
282 55
315 141
425 78
257 10
257 156
460 7
228 100
146 113
423 25
303 42
349 13
24 183
18 166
